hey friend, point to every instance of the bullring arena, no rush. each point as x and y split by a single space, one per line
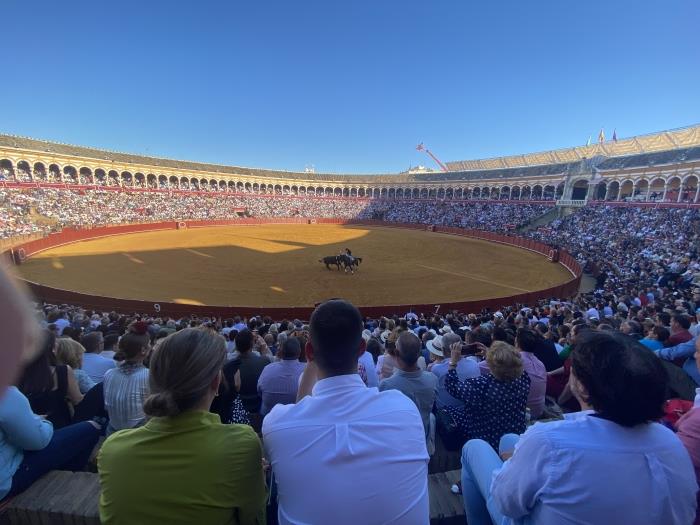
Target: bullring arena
121 237
277 265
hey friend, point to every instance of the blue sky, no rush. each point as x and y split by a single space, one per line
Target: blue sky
345 86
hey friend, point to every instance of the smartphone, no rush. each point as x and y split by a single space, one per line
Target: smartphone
470 349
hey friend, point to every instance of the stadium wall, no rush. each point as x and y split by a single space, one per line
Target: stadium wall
20 253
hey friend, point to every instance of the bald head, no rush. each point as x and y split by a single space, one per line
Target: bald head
408 348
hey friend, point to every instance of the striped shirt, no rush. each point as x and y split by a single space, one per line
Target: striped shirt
279 382
125 390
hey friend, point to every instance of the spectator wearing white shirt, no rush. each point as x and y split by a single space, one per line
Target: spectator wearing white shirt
578 471
362 452
367 361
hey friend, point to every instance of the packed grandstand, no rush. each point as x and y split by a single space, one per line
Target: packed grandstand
626 211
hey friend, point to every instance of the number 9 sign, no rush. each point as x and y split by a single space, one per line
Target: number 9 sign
156 307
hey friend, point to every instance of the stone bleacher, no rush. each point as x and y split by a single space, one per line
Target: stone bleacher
72 498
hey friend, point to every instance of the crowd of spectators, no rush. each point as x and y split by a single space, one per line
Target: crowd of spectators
182 399
42 210
185 401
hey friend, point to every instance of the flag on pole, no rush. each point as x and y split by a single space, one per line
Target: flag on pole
601 136
615 135
589 141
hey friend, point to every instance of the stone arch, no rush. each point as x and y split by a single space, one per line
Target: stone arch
656 188
23 173
70 175
548 192
493 194
162 181
526 193
579 191
173 181
515 193
626 189
100 177
7 170
139 180
39 171
113 178
85 175
504 193
54 174
641 189
673 186
689 188
613 190
184 183
537 192
126 178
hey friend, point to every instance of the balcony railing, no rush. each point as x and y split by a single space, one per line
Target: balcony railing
574 203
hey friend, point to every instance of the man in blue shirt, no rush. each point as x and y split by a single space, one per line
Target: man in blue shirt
682 381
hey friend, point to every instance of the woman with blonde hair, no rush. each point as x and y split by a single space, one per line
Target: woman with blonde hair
70 352
494 404
183 465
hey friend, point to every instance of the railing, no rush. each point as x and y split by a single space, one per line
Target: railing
573 203
101 303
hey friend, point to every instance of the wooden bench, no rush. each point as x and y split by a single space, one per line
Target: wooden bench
71 498
444 460
58 498
446 508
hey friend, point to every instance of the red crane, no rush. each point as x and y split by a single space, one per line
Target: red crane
420 147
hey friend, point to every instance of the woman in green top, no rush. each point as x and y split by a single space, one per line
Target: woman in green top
183 465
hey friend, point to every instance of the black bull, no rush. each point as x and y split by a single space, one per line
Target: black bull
341 260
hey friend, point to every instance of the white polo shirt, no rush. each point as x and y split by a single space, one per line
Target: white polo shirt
368 361
348 455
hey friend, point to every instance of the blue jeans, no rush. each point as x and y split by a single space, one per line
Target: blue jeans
479 461
69 449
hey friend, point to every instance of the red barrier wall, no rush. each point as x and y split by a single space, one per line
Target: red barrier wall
94 302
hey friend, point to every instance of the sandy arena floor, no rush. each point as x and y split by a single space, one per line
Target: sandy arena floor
277 265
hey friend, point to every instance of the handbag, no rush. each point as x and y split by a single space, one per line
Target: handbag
450 433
